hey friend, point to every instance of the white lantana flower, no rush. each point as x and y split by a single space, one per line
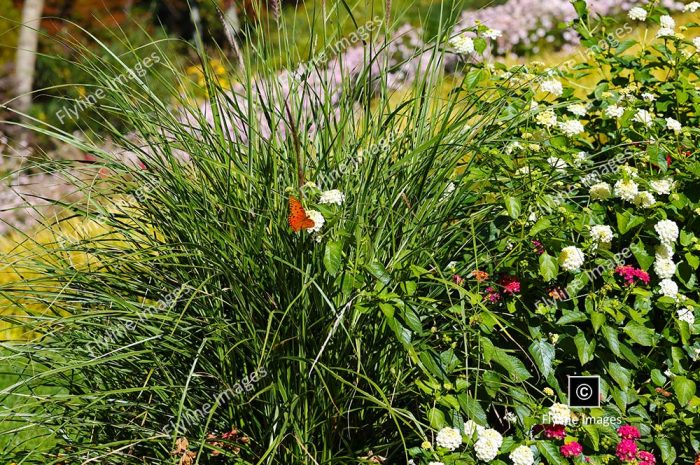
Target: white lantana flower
571 127
317 218
470 426
602 234
665 32
600 191
686 314
522 455
691 7
449 438
664 268
571 258
637 14
333 196
578 109
667 231
662 186
673 125
493 34
552 86
557 163
644 200
667 22
546 118
668 288
559 414
649 97
614 111
463 44
626 189
486 447
644 117
696 43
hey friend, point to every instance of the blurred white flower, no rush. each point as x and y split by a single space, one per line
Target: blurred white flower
637 14
667 22
557 163
552 86
664 268
686 314
470 426
578 109
668 288
691 7
600 191
649 97
602 233
493 34
644 117
614 111
559 414
317 218
571 258
665 32
571 127
663 251
486 447
333 196
673 125
644 200
626 189
522 455
663 186
696 42
449 438
463 44
546 118
667 231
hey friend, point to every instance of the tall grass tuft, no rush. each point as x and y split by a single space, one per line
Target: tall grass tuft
185 306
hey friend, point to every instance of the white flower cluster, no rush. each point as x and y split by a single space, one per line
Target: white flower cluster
644 117
668 288
318 219
486 447
571 258
662 186
333 196
463 44
559 414
614 111
637 14
571 127
578 109
522 455
602 234
552 86
667 231
692 7
686 314
674 125
449 438
546 118
600 191
470 427
644 200
626 189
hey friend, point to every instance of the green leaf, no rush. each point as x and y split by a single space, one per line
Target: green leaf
620 374
513 207
684 388
550 451
543 353
610 335
472 409
627 221
658 378
585 349
436 419
379 272
640 253
479 45
572 317
549 267
639 333
332 257
668 453
597 320
473 77
540 225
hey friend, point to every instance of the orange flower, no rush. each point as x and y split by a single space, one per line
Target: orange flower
480 275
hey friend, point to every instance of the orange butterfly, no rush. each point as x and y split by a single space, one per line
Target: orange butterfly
298 218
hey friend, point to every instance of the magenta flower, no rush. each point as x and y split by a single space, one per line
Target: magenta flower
554 431
626 450
458 280
646 458
628 432
539 248
510 284
572 449
630 273
492 295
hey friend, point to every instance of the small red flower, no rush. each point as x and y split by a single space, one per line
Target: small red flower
646 458
510 284
457 279
628 432
626 450
554 431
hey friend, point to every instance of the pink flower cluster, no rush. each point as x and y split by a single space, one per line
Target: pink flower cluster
630 273
571 449
627 450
